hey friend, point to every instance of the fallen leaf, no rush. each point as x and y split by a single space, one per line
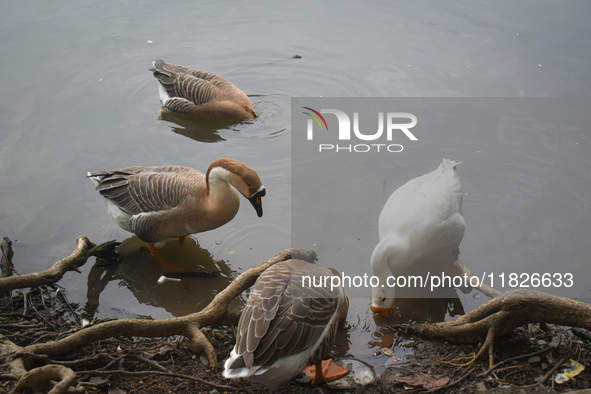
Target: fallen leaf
161 351
423 380
388 340
387 351
385 341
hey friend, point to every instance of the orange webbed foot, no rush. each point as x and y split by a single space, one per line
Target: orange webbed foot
327 371
165 265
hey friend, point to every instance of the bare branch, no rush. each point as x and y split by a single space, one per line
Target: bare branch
52 275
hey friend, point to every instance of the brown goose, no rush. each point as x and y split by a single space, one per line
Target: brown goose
201 94
287 325
157 203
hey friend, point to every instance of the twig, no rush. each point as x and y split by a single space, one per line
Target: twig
61 294
497 365
158 373
548 375
25 302
21 326
40 315
113 361
44 337
41 290
516 369
484 288
16 314
151 363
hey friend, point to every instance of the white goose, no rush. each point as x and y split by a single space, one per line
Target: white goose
421 221
287 325
157 203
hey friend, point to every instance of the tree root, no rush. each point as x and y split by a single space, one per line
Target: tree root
483 287
84 250
507 361
16 365
6 259
188 326
38 377
501 315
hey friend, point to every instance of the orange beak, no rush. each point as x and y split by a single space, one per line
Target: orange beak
384 312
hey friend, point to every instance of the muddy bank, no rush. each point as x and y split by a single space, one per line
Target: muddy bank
166 365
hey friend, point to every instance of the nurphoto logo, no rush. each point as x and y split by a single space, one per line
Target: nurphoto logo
397 123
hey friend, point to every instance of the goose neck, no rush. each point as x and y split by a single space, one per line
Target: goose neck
219 180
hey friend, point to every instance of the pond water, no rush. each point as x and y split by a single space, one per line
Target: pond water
78 96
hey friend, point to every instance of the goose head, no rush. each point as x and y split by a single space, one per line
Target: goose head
382 300
386 308
383 295
242 177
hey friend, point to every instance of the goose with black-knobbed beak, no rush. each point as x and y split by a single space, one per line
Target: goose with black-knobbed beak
157 203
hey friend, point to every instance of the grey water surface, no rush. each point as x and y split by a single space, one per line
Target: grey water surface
77 96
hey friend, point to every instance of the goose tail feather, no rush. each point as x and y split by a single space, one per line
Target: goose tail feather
449 166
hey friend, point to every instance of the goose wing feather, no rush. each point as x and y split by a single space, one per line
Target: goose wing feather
138 190
197 87
282 318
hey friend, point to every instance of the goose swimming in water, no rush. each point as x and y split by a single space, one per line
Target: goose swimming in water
200 94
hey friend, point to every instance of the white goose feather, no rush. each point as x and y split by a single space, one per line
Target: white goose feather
421 221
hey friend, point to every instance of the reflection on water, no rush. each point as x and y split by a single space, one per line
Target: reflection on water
424 310
138 271
209 130
365 334
202 130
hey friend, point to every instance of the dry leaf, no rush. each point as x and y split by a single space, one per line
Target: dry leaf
161 351
423 380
